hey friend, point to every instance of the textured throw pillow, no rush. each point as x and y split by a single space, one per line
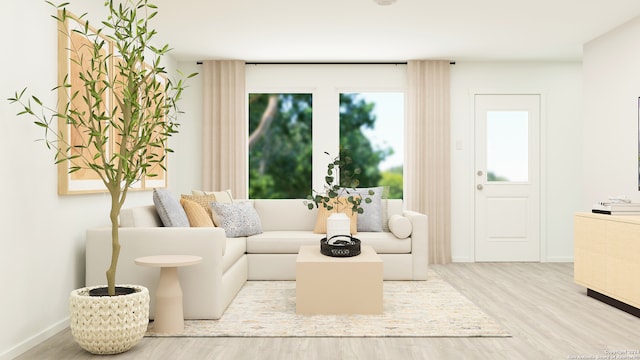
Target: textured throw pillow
203 201
169 209
237 219
196 214
400 226
371 218
323 215
385 208
221 196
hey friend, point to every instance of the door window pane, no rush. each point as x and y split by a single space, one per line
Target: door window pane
279 146
372 130
507 146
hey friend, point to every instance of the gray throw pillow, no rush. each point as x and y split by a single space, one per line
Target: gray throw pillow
169 209
372 218
237 219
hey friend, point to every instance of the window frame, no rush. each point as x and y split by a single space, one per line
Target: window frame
325 82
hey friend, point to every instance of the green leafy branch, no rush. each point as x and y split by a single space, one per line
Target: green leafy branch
338 194
124 108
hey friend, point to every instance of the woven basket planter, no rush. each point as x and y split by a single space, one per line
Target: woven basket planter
109 324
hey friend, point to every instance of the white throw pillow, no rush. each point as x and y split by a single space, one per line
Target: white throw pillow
400 226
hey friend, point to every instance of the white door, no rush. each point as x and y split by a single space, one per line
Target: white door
507 173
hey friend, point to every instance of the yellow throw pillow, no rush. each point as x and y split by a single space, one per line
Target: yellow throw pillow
202 200
197 216
344 207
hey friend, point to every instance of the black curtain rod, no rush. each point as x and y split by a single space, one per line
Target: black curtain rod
328 63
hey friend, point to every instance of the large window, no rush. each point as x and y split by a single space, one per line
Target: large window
279 146
372 131
359 107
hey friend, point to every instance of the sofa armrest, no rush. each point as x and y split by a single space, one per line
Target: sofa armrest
199 281
419 243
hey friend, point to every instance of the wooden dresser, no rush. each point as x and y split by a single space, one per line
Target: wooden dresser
607 258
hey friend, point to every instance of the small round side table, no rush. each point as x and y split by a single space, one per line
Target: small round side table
169 316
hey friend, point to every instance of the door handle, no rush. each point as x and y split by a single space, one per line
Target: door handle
479 187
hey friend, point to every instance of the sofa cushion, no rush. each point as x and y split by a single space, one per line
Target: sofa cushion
285 214
281 242
140 216
221 196
386 211
289 242
234 249
394 206
203 201
385 242
400 226
237 219
169 209
371 218
196 214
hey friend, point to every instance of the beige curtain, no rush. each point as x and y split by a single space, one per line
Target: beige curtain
427 167
225 128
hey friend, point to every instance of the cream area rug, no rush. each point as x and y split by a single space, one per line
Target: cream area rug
431 308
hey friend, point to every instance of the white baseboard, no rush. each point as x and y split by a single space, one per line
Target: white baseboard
461 259
36 339
568 259
558 259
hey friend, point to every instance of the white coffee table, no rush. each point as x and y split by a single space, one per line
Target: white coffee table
333 285
169 317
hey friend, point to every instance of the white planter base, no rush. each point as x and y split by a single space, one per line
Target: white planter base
109 324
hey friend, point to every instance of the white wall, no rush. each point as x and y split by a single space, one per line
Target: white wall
560 85
612 87
185 164
41 233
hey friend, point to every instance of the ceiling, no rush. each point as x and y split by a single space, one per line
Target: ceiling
361 30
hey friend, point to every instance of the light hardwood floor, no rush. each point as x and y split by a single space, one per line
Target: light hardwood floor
548 315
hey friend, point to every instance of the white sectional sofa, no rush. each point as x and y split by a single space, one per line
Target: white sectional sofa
209 287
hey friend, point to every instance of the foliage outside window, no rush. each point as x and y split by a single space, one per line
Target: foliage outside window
372 140
280 142
280 146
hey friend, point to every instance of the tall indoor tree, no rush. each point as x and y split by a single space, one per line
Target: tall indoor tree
122 140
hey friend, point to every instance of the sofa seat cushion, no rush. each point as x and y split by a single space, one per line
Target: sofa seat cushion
234 249
281 242
289 242
385 242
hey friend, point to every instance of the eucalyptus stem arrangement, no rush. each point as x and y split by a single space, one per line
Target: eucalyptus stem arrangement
340 186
